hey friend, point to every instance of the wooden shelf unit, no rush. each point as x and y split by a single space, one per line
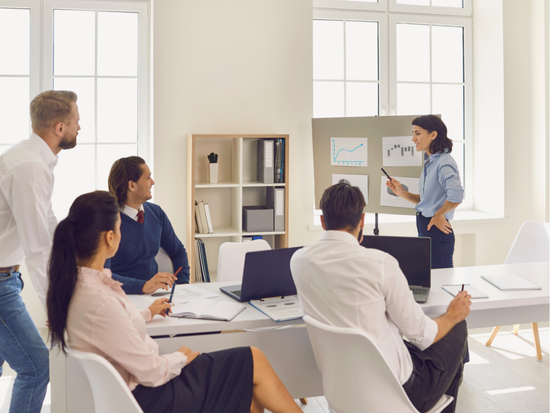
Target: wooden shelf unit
237 186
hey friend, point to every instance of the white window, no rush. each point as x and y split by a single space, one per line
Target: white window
98 49
397 57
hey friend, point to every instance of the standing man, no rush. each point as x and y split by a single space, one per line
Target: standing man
343 284
27 224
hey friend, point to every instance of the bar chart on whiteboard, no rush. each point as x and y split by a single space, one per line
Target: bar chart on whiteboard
348 151
400 151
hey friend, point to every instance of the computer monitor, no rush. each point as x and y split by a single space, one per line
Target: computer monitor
414 255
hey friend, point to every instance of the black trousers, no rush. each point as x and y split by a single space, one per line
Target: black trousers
437 370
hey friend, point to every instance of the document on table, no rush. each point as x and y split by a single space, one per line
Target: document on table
280 309
510 282
454 289
183 294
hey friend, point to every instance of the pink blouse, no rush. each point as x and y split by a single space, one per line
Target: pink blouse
101 320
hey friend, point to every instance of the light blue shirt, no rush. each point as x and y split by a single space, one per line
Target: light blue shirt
439 182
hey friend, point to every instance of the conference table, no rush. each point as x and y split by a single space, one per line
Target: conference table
287 345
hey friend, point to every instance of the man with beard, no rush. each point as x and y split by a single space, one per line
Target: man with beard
27 224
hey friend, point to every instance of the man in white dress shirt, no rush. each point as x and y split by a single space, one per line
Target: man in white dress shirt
27 224
343 284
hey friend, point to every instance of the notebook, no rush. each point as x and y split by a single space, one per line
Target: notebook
510 282
209 310
265 274
414 255
454 289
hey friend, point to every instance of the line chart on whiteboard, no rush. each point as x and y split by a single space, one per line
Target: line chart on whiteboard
348 151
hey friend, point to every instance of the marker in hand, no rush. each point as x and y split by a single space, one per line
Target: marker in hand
168 311
385 173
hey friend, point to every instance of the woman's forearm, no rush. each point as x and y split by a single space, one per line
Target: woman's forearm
414 198
447 207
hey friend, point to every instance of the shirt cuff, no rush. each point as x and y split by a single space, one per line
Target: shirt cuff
427 339
146 314
455 195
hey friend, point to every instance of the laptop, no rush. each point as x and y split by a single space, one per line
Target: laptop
414 255
265 274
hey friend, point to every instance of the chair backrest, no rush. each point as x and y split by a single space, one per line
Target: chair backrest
111 394
356 377
532 244
231 258
164 262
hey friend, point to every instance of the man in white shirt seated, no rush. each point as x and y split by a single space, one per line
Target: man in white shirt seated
343 284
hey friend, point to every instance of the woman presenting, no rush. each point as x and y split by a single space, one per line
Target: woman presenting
440 188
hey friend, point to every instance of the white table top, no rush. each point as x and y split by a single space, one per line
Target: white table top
498 301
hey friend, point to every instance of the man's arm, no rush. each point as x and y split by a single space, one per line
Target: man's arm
27 190
170 243
130 285
458 310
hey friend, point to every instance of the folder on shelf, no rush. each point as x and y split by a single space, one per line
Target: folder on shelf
202 215
208 218
265 160
198 219
278 161
201 263
275 199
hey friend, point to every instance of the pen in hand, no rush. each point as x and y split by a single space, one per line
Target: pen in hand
168 311
385 173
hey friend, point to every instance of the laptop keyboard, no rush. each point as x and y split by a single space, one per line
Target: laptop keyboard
237 293
419 291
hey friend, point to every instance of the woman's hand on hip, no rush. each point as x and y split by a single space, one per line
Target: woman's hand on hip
441 223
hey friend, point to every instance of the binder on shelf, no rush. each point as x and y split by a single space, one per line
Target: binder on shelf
275 199
278 161
202 215
208 218
201 263
265 161
198 219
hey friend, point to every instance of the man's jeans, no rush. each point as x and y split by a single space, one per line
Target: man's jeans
22 347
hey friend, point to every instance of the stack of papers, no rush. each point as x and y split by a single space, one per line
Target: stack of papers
183 294
510 282
280 309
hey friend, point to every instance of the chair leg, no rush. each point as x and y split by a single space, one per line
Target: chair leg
516 329
493 335
535 328
303 401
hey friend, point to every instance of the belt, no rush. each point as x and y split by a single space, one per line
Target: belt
12 268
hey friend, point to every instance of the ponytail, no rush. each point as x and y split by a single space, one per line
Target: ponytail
76 240
123 171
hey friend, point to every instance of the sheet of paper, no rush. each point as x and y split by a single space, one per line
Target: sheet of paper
183 294
348 151
388 198
361 181
400 151
454 289
287 308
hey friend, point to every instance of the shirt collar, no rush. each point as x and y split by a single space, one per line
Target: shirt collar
339 236
131 212
104 277
435 155
45 151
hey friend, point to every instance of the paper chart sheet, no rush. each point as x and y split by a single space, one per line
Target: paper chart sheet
361 181
388 198
348 152
400 151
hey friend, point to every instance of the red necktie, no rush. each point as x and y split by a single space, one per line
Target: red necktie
140 217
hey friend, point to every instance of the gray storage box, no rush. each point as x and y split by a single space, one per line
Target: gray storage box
257 218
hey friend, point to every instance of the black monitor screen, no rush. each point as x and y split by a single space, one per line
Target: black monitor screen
414 255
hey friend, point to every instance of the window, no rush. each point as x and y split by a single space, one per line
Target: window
98 49
397 58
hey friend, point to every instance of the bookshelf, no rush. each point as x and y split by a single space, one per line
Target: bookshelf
237 186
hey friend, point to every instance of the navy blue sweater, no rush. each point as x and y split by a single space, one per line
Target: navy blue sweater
134 263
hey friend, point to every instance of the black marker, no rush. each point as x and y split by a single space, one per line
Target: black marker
173 289
385 173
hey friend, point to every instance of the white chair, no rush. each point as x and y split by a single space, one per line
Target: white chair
356 377
164 262
532 244
231 258
111 394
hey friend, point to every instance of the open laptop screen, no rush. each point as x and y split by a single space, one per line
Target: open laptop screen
414 255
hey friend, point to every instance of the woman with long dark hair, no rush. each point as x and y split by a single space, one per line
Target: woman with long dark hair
440 190
87 305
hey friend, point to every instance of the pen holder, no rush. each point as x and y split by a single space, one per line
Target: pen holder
212 173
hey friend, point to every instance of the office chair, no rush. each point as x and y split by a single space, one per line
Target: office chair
164 262
231 258
356 377
111 394
532 244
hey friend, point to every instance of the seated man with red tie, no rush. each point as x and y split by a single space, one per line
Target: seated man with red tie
145 229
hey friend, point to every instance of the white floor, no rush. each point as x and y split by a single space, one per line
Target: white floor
503 378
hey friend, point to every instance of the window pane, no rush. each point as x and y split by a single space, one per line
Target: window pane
14 41
117 41
106 156
414 2
447 54
361 51
413 99
413 52
328 99
448 101
361 99
328 49
74 176
116 110
74 42
85 89
448 3
14 109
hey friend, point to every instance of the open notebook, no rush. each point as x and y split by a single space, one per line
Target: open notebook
208 309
